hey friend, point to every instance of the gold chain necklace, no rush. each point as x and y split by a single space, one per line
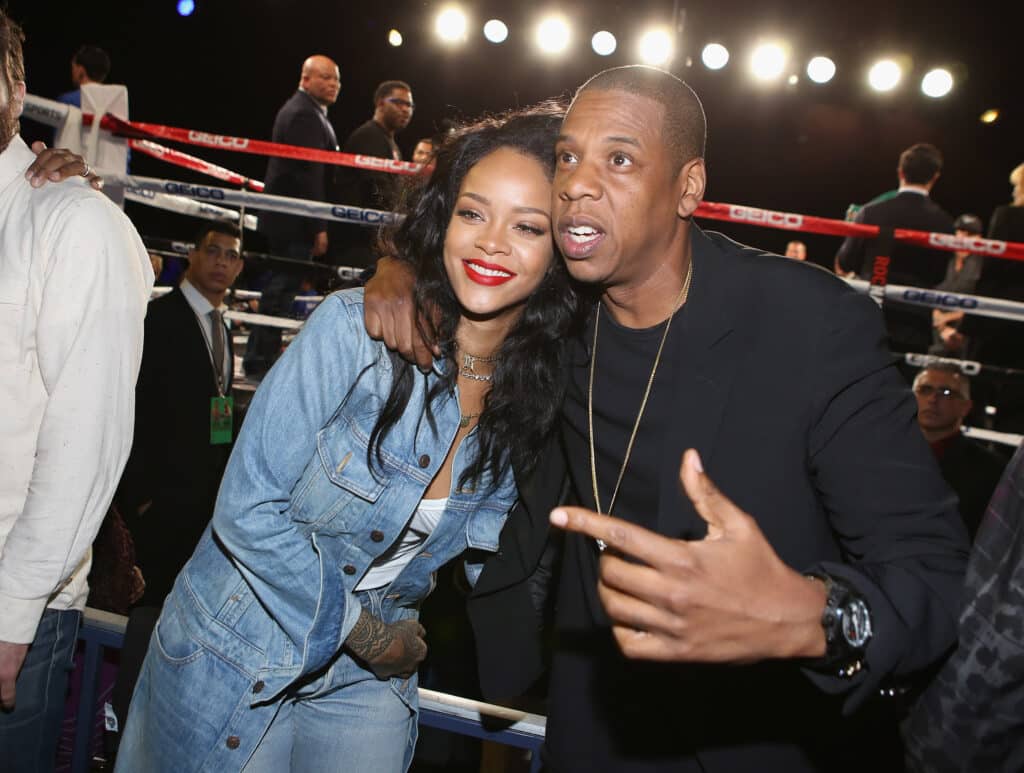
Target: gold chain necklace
680 300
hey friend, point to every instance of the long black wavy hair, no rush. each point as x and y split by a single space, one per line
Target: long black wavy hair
522 406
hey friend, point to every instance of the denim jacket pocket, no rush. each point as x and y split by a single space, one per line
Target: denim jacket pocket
338 483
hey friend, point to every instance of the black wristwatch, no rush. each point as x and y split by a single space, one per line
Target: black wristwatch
847 625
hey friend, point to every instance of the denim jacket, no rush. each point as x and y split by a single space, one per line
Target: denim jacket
301 516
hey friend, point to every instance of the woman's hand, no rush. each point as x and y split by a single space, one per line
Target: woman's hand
58 164
387 649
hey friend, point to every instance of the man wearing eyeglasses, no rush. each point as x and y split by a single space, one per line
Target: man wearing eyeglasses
943 402
392 111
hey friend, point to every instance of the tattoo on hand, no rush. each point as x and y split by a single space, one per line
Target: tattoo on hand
370 637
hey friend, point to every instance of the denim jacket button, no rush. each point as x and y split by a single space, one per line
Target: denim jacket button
424 461
233 742
377 535
258 687
348 569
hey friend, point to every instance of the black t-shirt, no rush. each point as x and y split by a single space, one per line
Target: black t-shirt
625 358
606 713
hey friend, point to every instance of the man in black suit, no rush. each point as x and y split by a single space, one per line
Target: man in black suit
912 208
943 402
707 637
170 484
302 120
392 110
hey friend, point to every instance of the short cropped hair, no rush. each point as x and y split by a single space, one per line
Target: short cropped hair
685 128
947 367
12 60
920 163
384 89
217 227
96 62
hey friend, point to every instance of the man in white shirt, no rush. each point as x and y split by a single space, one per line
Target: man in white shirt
74 279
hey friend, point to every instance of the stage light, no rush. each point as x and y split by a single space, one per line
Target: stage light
768 61
937 83
603 43
821 69
655 47
496 31
793 79
553 35
884 75
395 38
989 116
186 7
450 25
715 56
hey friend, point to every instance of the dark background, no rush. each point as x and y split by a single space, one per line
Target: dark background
809 148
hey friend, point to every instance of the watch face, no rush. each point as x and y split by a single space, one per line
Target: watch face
856 623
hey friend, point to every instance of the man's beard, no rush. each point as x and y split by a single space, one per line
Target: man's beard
8 126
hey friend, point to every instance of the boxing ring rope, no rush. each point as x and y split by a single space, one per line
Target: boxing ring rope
53 113
104 630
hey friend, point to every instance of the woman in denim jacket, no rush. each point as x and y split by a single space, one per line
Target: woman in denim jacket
290 640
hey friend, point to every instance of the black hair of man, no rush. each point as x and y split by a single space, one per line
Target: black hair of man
685 125
12 61
96 62
385 89
217 227
920 163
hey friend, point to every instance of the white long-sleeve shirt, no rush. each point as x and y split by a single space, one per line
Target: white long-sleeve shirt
74 282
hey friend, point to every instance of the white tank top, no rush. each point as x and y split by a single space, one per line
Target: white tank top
390 564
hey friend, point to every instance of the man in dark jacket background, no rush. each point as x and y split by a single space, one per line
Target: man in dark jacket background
302 120
919 168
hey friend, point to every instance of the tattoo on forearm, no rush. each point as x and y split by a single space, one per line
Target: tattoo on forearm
369 638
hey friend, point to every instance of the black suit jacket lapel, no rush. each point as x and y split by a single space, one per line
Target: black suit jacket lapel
526 532
193 341
706 353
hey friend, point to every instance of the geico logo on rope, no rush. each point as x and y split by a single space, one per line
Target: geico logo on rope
217 140
43 113
372 162
967 367
753 215
969 243
362 215
942 299
196 191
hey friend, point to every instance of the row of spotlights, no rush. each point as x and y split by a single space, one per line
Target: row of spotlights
767 63
552 36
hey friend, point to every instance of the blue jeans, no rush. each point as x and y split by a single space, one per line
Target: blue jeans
29 733
366 725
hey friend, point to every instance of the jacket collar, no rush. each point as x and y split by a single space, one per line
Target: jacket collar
706 352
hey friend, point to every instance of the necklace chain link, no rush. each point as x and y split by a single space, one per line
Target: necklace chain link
680 300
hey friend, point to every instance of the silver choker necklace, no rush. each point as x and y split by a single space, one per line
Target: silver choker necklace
468 367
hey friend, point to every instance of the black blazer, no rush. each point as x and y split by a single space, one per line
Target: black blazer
172 463
300 121
785 387
376 190
910 265
973 473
